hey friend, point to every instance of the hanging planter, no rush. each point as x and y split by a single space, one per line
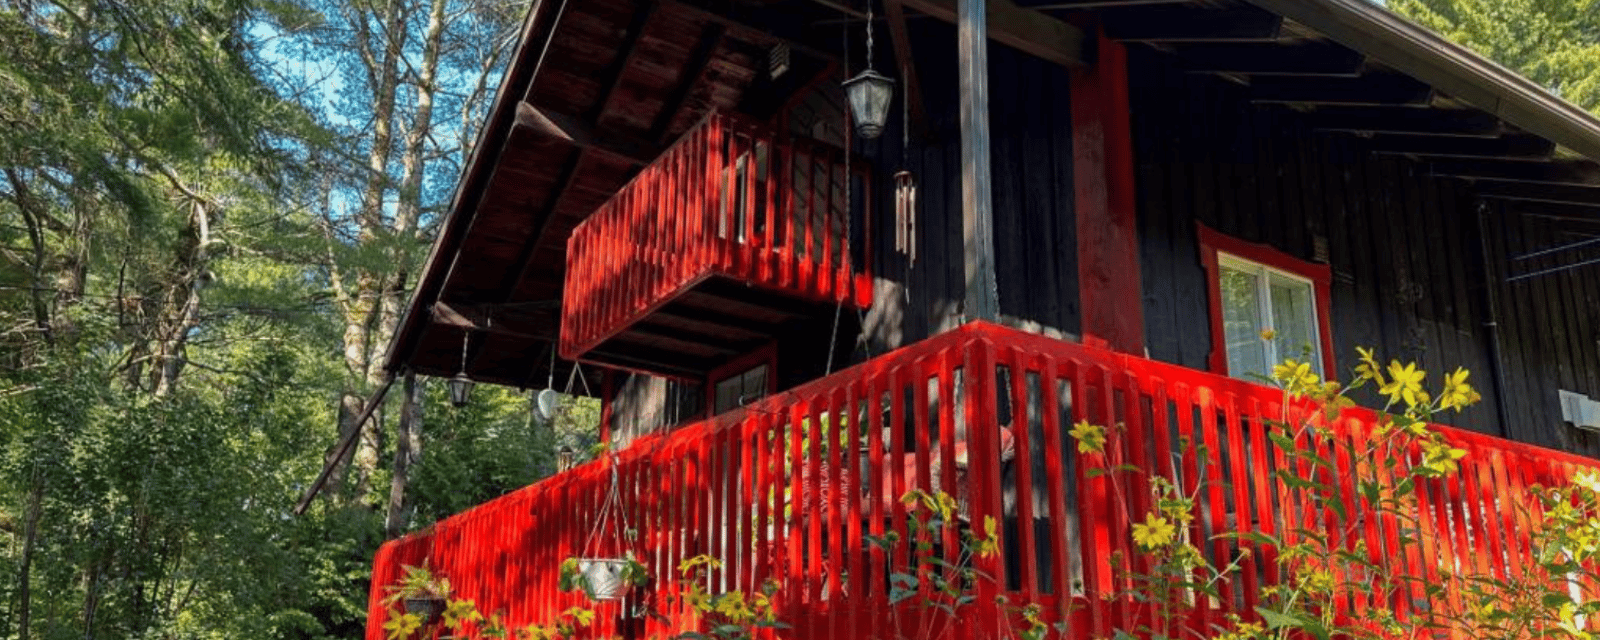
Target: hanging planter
420 592
601 576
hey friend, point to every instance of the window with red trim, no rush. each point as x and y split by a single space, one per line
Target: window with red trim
745 380
1254 288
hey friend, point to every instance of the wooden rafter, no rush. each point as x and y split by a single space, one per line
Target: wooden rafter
1307 59
694 72
1579 174
1407 120
1557 194
628 53
1514 146
575 131
1367 90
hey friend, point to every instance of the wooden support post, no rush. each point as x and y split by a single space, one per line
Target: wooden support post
1108 240
977 216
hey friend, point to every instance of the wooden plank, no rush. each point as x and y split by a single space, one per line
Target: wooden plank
977 217
1026 30
628 51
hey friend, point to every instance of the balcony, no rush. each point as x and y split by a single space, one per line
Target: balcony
713 250
748 488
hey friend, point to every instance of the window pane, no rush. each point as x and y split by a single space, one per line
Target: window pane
1241 322
1294 319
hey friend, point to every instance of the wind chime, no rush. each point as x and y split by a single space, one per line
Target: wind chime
905 190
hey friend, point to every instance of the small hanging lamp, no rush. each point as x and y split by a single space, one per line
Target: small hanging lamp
461 385
869 94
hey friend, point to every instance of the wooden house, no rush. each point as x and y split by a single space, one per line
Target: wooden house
1077 210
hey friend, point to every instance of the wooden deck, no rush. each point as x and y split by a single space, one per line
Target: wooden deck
712 249
748 488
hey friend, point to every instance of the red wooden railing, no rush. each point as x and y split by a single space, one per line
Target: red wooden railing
1065 536
731 198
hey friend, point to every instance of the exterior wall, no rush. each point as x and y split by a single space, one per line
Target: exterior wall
1408 273
1031 151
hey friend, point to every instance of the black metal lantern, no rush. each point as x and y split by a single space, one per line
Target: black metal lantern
869 94
460 384
460 390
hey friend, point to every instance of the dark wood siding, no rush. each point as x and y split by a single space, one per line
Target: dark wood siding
1035 255
1409 277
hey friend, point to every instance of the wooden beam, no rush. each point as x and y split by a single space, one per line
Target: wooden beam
629 51
1507 147
1580 174
977 215
1026 30
1369 90
551 124
1105 200
1308 59
1557 194
1193 24
485 319
1407 120
895 15
1581 213
694 72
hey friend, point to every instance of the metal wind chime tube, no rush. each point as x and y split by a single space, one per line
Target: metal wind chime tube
905 191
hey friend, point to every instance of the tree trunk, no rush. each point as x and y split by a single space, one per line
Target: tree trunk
30 537
407 452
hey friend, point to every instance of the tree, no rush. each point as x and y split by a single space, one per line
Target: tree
1553 42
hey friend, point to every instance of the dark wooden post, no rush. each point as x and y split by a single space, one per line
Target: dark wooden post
977 219
1108 240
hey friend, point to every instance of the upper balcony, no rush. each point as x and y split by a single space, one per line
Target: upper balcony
984 413
711 250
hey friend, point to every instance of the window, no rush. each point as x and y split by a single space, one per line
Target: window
1254 288
742 381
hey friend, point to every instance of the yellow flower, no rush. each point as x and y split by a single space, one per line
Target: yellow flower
1296 377
1268 335
1368 369
403 625
1091 438
1457 393
1154 532
1587 480
460 611
697 598
1405 383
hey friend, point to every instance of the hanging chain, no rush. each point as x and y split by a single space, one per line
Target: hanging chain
869 34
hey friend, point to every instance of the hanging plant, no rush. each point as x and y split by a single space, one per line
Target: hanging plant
606 577
422 593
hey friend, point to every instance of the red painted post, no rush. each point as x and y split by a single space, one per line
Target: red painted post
1108 240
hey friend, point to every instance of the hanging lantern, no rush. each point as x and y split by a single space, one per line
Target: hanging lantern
869 94
461 385
460 390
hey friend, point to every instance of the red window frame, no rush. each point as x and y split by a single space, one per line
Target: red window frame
1320 275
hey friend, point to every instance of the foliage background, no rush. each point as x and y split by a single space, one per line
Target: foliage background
210 216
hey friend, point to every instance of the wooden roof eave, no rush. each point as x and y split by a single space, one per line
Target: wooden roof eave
538 26
1448 67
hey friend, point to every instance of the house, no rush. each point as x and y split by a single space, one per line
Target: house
1076 210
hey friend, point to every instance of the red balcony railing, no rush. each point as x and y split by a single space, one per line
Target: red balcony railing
731 199
748 488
